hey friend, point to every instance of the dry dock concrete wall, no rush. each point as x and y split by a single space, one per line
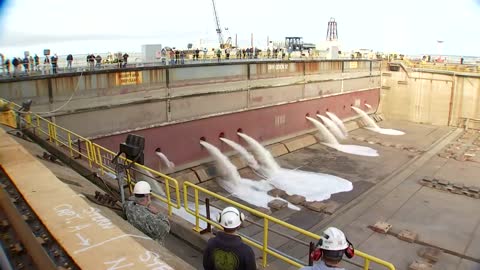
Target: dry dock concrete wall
101 103
173 107
431 97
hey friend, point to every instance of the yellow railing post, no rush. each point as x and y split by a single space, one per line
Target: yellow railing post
28 118
55 137
366 266
69 137
100 159
50 136
197 218
167 190
89 152
265 241
185 195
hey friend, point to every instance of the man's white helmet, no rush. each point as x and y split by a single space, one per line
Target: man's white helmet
230 218
142 187
333 239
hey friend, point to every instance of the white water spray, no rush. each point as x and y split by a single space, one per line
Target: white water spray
327 136
330 141
226 169
339 123
264 157
371 125
165 160
313 186
243 152
366 119
332 127
253 192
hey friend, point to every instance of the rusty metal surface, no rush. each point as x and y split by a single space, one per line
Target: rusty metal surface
275 70
323 67
113 82
30 245
210 74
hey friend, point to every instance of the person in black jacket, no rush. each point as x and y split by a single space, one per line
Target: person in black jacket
226 251
15 63
69 61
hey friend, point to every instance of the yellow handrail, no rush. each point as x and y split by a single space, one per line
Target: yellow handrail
100 157
169 181
443 66
266 219
95 156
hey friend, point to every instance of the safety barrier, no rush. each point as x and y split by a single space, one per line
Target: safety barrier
209 57
267 221
97 156
443 66
101 158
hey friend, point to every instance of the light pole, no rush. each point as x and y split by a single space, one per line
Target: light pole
439 44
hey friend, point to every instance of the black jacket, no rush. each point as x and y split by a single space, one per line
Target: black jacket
228 252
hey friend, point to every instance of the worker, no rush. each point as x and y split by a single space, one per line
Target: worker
226 251
330 249
144 216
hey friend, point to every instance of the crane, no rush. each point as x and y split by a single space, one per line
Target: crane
223 44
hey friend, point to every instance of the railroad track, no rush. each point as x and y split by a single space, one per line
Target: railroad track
25 242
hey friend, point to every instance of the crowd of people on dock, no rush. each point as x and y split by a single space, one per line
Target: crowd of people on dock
46 64
18 66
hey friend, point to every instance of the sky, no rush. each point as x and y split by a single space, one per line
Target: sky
410 27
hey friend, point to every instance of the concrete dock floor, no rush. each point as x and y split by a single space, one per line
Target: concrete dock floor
387 188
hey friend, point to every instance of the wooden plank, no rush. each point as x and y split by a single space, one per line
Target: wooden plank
92 237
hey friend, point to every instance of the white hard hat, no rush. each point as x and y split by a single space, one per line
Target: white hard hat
142 187
230 218
333 239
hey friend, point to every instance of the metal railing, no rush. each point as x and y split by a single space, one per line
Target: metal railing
103 158
47 69
442 66
267 221
99 157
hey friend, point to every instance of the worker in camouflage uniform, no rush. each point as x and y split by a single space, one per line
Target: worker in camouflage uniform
145 216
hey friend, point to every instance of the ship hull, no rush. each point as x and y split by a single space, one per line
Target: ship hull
180 141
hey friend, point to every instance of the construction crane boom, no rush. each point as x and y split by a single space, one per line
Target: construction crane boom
217 21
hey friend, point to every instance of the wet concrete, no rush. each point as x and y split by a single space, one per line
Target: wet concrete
385 188
440 218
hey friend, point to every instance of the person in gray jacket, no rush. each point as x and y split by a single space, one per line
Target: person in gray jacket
144 216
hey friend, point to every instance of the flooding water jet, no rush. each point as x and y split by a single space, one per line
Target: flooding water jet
338 122
371 125
332 127
330 141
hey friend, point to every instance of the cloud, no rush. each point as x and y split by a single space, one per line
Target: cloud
16 39
23 39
